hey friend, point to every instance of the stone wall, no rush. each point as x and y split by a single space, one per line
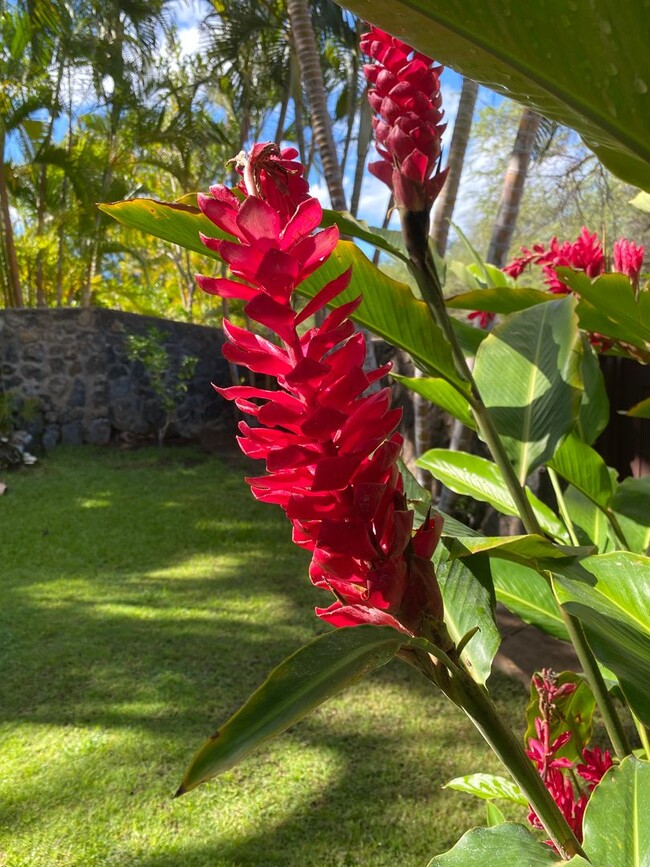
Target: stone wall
73 366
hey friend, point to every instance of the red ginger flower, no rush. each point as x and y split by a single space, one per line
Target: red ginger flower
330 451
628 259
584 254
542 752
405 93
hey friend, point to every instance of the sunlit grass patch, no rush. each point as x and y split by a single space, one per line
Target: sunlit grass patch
130 631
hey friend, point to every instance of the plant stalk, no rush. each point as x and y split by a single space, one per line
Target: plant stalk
460 688
611 719
414 228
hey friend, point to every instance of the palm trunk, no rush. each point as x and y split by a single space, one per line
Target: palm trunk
312 76
41 300
513 188
14 289
363 144
447 198
286 95
298 108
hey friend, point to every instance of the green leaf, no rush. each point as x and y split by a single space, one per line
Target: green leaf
609 305
640 410
617 819
171 221
522 50
630 503
504 300
466 589
536 404
469 336
487 787
538 552
440 392
610 595
301 683
632 499
594 404
470 475
355 228
572 713
589 520
507 844
493 815
524 592
584 468
389 308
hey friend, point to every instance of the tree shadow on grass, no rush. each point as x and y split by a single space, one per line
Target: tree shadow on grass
147 629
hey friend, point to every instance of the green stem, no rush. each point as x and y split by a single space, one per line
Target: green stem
427 278
475 701
613 724
564 512
618 530
424 271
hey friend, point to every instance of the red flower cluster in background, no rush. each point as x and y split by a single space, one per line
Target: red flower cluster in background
405 93
552 769
330 451
584 254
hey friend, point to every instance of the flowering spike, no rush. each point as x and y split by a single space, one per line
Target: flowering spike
405 94
330 450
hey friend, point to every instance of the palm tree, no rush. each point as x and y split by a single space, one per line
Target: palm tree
24 88
446 202
513 188
312 76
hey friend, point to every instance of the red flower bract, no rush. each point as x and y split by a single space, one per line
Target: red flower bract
330 450
584 254
405 94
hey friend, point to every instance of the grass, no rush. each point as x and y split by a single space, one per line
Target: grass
144 595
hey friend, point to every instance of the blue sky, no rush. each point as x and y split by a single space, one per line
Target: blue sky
187 15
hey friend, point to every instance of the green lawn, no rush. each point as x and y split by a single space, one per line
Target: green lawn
144 595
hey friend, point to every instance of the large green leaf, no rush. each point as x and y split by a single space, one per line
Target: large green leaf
571 713
171 221
389 308
467 594
582 63
532 550
610 594
631 502
524 592
617 819
440 392
355 228
588 519
506 299
487 787
610 306
302 682
508 845
528 373
470 475
584 468
594 404
632 499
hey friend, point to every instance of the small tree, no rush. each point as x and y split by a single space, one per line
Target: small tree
168 385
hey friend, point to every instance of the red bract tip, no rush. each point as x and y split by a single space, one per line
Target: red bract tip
405 94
